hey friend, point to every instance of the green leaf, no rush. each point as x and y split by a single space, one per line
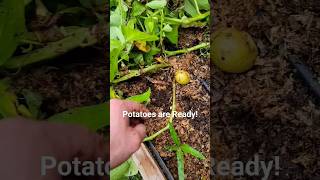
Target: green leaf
157 4
116 34
137 9
125 170
167 28
144 97
7 100
93 117
180 160
174 135
149 24
190 150
136 35
115 50
12 26
173 35
191 8
33 101
8 105
203 5
138 59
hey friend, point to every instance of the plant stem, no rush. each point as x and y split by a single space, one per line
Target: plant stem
153 136
161 28
187 21
182 51
173 101
173 109
136 73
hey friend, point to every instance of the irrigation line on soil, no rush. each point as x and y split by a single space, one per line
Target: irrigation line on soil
173 109
159 160
306 75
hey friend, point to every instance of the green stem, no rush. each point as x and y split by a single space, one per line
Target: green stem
187 21
161 28
182 51
153 136
173 101
173 109
136 73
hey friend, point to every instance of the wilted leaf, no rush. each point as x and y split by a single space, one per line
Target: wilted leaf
142 46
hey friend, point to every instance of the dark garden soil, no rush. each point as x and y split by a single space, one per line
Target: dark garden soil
80 82
192 96
268 110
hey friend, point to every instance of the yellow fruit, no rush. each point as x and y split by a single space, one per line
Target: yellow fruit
182 77
233 51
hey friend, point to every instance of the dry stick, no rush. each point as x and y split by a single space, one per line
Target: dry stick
136 73
171 115
182 51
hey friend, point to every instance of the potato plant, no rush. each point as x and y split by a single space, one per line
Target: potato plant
140 32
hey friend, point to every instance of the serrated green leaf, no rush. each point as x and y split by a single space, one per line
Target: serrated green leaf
141 98
93 117
174 135
190 150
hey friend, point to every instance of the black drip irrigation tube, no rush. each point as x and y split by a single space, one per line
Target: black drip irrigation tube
156 156
306 74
